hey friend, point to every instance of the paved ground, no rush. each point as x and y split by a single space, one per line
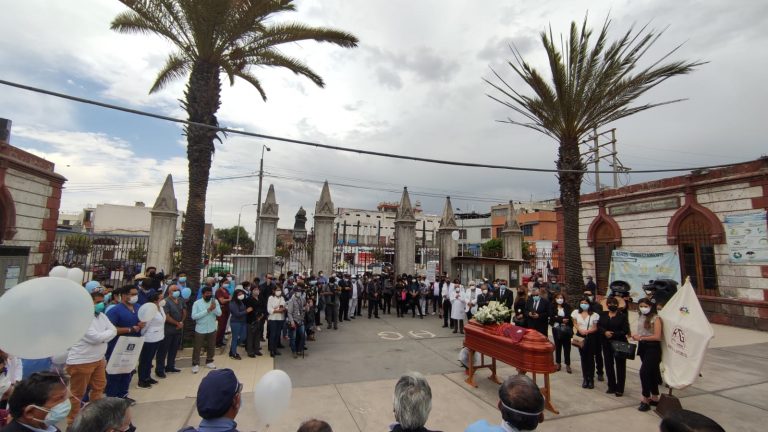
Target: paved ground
349 375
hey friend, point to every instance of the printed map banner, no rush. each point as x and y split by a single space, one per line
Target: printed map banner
637 268
747 238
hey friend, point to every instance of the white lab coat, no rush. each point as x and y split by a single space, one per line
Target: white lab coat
471 297
458 305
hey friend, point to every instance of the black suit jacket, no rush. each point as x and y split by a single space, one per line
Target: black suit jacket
15 426
542 322
508 299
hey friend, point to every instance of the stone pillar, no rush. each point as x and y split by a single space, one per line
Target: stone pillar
322 251
512 242
405 236
449 248
268 224
162 231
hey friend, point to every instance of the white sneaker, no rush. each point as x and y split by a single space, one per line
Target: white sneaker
210 366
195 369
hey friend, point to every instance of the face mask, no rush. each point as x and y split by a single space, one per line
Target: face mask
162 303
207 297
591 298
57 413
219 278
312 283
458 290
658 309
584 306
229 278
133 299
644 310
613 308
97 308
240 297
485 291
559 301
183 279
278 293
536 298
176 294
107 297
648 293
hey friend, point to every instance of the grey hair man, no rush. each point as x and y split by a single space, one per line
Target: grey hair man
412 403
104 415
521 405
314 425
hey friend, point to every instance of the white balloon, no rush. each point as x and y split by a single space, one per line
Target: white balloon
75 275
147 311
60 359
272 396
58 271
455 235
43 317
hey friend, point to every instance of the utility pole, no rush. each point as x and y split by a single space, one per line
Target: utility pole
593 155
257 231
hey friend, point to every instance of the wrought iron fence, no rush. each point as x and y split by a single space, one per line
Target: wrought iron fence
108 258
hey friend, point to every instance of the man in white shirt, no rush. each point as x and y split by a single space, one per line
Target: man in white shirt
85 360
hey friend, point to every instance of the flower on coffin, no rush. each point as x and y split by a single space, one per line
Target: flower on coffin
493 313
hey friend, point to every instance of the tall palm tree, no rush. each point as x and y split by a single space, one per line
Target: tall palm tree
591 85
212 37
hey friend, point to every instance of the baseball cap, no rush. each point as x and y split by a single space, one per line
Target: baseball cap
216 391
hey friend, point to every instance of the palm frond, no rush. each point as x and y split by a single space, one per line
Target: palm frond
176 66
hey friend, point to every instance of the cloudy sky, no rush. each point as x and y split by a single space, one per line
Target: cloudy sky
413 86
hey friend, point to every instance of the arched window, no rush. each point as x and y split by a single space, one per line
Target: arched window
697 253
604 244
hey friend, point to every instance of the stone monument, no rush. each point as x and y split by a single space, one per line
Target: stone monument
300 226
405 236
162 230
449 248
268 224
512 244
322 252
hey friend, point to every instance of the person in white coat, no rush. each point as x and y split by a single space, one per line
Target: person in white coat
458 307
355 285
470 297
86 365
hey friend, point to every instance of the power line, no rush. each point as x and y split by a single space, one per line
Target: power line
327 146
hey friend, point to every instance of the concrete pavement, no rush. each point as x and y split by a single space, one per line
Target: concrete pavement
349 375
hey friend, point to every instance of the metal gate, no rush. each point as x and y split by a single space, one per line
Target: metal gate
108 258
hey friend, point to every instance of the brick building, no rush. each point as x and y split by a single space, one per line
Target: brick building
685 214
30 195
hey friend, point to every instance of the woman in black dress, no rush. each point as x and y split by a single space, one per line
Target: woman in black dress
614 326
562 330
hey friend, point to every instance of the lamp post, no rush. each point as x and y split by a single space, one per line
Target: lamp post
258 204
237 241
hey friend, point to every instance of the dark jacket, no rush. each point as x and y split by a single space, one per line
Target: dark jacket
619 325
542 322
554 318
507 299
397 428
259 309
15 426
237 311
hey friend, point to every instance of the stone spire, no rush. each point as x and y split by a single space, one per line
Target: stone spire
405 210
324 207
270 207
448 221
166 200
511 223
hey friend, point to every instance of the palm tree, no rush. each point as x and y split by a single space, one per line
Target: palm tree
590 87
212 37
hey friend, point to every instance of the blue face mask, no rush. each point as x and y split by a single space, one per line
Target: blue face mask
536 298
99 307
183 279
107 297
57 413
176 294
584 307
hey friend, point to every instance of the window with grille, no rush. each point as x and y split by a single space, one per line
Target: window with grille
697 254
527 230
485 233
604 246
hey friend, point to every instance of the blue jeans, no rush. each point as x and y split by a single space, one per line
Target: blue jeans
239 334
298 338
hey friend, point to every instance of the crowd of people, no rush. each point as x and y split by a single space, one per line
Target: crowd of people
290 308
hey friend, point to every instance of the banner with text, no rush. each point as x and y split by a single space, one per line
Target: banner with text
747 238
637 268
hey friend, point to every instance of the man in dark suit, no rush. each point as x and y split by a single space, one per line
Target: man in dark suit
537 312
505 295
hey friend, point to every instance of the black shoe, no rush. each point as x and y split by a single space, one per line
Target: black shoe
172 370
591 384
454 330
653 403
377 317
235 356
619 394
259 353
585 384
445 326
600 377
251 355
160 375
277 353
644 407
271 354
153 381
145 384
610 390
329 327
369 317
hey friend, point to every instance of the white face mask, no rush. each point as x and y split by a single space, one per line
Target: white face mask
278 293
559 301
133 299
485 291
645 310
162 303
240 297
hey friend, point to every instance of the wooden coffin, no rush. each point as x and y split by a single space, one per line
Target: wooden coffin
532 353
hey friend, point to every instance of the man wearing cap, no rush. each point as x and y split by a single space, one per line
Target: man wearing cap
205 313
521 405
218 402
591 285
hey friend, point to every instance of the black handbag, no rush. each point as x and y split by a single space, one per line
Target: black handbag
565 332
624 349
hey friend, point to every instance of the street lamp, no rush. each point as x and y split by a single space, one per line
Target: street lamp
237 241
256 233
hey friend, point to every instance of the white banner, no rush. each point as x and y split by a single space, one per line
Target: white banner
125 356
687 333
747 238
637 268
